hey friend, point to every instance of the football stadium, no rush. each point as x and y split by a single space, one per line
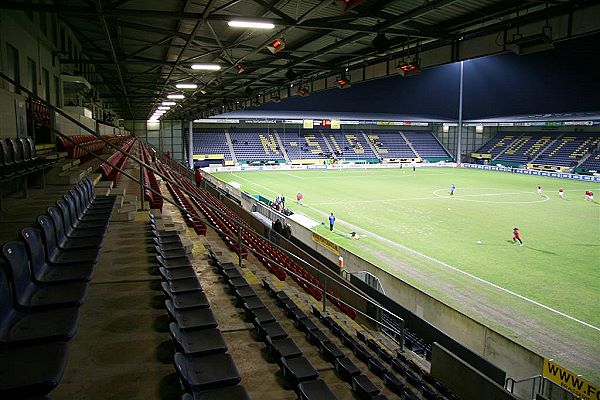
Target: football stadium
314 200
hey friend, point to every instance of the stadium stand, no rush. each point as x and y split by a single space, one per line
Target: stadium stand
524 148
426 145
211 142
304 144
349 145
390 144
251 144
498 144
592 162
567 150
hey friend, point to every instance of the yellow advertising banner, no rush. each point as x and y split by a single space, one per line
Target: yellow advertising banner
335 124
481 155
307 124
572 382
328 244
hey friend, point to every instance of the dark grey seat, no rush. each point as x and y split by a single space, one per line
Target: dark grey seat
364 388
32 371
195 319
237 283
170 254
315 390
412 379
305 325
186 301
30 296
428 392
168 246
296 314
85 215
392 382
197 343
262 315
74 231
362 353
271 329
244 293
316 336
180 262
55 255
298 370
83 221
251 304
236 392
18 328
177 273
184 286
231 273
398 366
42 272
206 372
377 367
346 368
409 394
282 348
330 351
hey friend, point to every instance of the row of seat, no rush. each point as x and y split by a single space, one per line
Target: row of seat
153 196
80 146
18 158
114 163
43 280
296 368
203 365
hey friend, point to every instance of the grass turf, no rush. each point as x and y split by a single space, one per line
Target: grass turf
558 265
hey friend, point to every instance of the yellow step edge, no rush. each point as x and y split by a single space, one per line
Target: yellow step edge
45 146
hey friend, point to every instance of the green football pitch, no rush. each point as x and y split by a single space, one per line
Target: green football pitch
409 218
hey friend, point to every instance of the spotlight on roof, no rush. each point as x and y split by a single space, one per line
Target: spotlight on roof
290 74
186 86
175 96
381 43
202 91
206 67
240 68
408 68
163 108
250 24
346 5
276 45
343 82
303 91
168 103
522 45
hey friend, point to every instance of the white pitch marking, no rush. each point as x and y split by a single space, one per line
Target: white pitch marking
442 263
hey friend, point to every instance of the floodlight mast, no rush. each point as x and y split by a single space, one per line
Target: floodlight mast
460 114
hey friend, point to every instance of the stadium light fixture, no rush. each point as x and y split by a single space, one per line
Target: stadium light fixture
175 96
163 108
186 86
408 68
343 82
250 24
168 103
206 67
276 45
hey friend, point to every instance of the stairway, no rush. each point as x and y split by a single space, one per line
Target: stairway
230 145
409 144
371 145
327 143
280 145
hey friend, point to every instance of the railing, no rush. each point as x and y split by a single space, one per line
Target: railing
535 381
326 279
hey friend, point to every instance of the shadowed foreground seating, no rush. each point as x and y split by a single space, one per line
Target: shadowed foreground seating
206 372
315 390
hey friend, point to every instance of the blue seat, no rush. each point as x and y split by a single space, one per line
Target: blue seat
298 370
18 328
79 221
392 382
30 296
67 243
71 229
346 368
197 343
282 348
364 388
186 300
83 214
55 255
42 272
315 390
33 371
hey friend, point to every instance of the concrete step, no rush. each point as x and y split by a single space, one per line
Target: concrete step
124 214
55 155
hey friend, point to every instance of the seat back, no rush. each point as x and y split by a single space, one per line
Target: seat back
7 152
79 199
66 213
83 195
59 227
48 235
24 145
74 204
18 151
72 208
18 263
31 145
6 301
36 249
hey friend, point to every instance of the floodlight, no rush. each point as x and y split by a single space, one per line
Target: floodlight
168 103
186 86
175 96
206 67
250 24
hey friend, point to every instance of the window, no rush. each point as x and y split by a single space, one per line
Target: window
13 67
57 91
31 76
46 84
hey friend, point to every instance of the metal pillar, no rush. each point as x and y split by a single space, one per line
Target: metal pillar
142 191
460 115
240 247
324 293
191 145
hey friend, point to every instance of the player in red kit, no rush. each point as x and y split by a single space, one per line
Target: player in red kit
517 236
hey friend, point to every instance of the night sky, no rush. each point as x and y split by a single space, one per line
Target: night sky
565 79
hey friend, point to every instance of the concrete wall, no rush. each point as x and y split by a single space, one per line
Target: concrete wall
165 136
462 379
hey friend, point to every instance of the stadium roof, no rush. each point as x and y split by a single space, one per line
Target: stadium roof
143 48
575 116
317 115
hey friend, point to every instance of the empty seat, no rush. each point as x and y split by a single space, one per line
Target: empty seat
377 367
282 348
42 272
195 319
315 390
346 368
362 353
206 372
262 315
398 366
271 329
186 301
413 379
180 262
330 351
298 370
182 286
244 293
237 283
72 230
58 256
316 336
177 273
197 343
364 388
66 243
409 394
31 296
428 392
392 382
305 324
18 328
32 371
